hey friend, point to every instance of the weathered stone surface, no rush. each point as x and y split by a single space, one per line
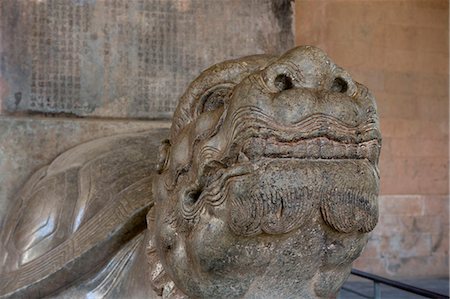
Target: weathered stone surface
75 215
27 144
260 177
271 163
127 59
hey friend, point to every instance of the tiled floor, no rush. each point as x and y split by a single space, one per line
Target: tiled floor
365 288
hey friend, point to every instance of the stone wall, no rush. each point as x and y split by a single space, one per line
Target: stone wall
399 49
76 70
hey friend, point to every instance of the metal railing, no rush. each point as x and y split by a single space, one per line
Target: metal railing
378 280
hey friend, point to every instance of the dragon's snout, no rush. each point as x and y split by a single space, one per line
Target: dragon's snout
270 161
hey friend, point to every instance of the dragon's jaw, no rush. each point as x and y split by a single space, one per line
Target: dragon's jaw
259 209
276 177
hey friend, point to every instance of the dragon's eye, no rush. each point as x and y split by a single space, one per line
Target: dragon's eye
213 102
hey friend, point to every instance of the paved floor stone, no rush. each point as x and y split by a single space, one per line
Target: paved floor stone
365 289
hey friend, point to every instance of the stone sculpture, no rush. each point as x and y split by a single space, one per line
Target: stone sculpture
266 188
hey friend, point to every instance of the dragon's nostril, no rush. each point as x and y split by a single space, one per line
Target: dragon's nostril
339 85
283 82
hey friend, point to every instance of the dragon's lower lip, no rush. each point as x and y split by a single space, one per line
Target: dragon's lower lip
314 148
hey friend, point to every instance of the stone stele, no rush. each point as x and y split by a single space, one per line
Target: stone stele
266 188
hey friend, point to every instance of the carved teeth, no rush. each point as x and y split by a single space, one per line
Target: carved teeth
373 150
326 148
351 150
361 151
315 148
301 149
339 150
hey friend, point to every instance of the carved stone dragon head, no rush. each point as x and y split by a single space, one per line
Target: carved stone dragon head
268 185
